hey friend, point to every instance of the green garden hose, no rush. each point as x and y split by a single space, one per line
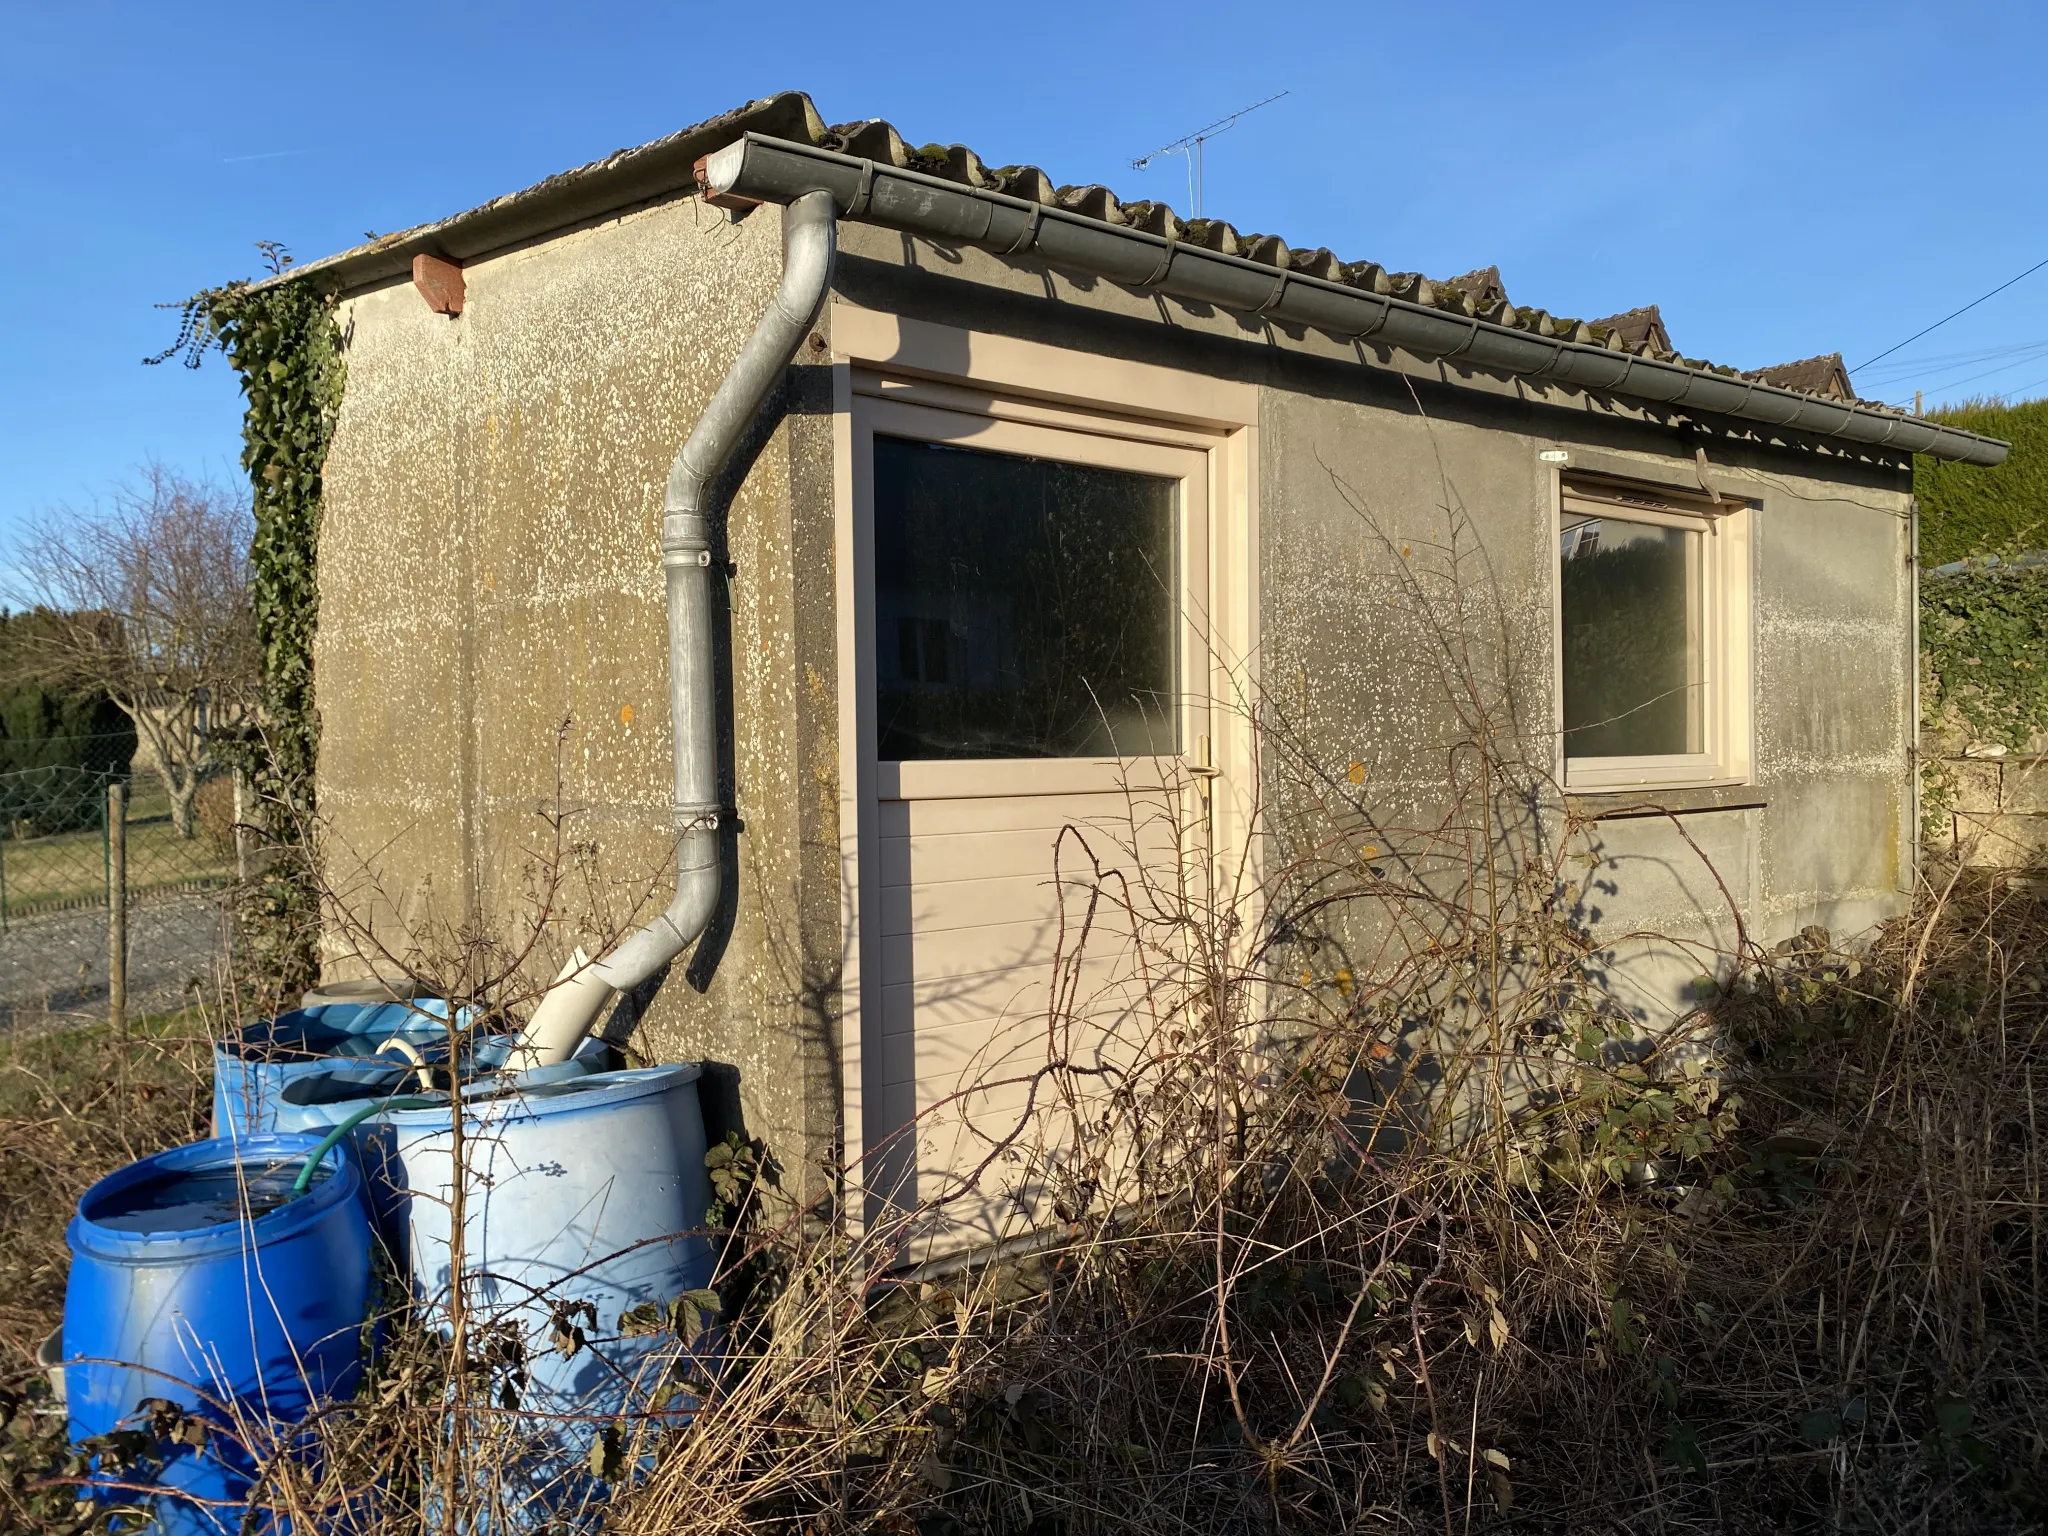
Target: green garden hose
327 1142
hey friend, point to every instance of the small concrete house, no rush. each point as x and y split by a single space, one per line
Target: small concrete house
1006 506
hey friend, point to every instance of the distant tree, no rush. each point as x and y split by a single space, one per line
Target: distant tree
145 598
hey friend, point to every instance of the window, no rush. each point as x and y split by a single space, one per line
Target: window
1653 647
1024 606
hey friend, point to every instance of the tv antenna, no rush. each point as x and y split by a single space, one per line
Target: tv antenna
1191 147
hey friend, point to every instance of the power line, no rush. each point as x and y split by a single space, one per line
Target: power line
1908 367
2030 384
1944 320
1945 379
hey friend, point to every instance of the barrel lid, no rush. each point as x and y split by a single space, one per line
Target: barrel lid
88 1236
365 989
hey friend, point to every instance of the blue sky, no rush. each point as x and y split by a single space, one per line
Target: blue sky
1783 179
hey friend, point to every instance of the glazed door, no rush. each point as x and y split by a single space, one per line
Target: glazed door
1035 719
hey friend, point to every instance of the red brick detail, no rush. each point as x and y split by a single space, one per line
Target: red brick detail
721 199
439 282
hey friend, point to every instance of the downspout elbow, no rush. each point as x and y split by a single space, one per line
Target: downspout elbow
699 886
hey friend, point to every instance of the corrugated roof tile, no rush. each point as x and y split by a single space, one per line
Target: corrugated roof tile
791 115
1212 235
1025 181
1091 202
1317 263
875 141
1269 249
1154 219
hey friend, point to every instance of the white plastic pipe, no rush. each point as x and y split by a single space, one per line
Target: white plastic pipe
565 1015
573 1002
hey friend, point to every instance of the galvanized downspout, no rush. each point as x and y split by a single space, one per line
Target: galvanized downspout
571 1006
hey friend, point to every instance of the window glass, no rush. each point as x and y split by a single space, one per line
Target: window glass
1024 607
1631 599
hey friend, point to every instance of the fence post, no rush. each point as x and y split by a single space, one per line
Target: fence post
241 836
117 906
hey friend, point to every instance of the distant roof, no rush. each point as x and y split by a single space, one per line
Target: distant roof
2025 560
1823 375
1639 326
633 177
1484 287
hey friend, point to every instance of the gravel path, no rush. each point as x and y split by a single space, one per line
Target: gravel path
53 969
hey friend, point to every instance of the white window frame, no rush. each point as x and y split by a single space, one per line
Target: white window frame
1725 620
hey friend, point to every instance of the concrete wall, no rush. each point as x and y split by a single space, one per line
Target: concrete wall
1384 492
1364 502
489 570
493 637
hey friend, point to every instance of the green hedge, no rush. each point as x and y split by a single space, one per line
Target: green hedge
47 727
1966 509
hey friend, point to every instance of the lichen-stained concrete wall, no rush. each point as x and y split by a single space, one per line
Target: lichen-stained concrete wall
1361 506
1381 489
493 636
1834 699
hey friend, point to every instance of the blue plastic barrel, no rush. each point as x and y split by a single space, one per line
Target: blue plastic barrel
252 1067
197 1277
581 1190
317 1100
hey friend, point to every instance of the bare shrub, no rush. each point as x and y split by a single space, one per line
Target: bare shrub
1376 1211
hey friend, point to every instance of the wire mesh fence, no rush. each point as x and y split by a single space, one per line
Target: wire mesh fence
68 867
55 841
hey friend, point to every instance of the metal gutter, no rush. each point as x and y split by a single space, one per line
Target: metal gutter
767 169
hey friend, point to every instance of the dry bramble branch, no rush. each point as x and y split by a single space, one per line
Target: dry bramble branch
1367 1208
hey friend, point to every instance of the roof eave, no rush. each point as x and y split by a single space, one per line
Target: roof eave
760 167
602 189
788 122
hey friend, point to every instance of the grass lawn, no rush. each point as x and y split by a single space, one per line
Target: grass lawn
74 1106
69 869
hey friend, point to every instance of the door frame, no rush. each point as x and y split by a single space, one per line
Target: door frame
880 359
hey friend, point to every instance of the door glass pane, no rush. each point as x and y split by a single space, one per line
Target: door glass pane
1023 607
1632 679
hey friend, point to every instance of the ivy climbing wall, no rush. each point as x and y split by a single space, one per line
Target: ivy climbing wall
280 338
1984 640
